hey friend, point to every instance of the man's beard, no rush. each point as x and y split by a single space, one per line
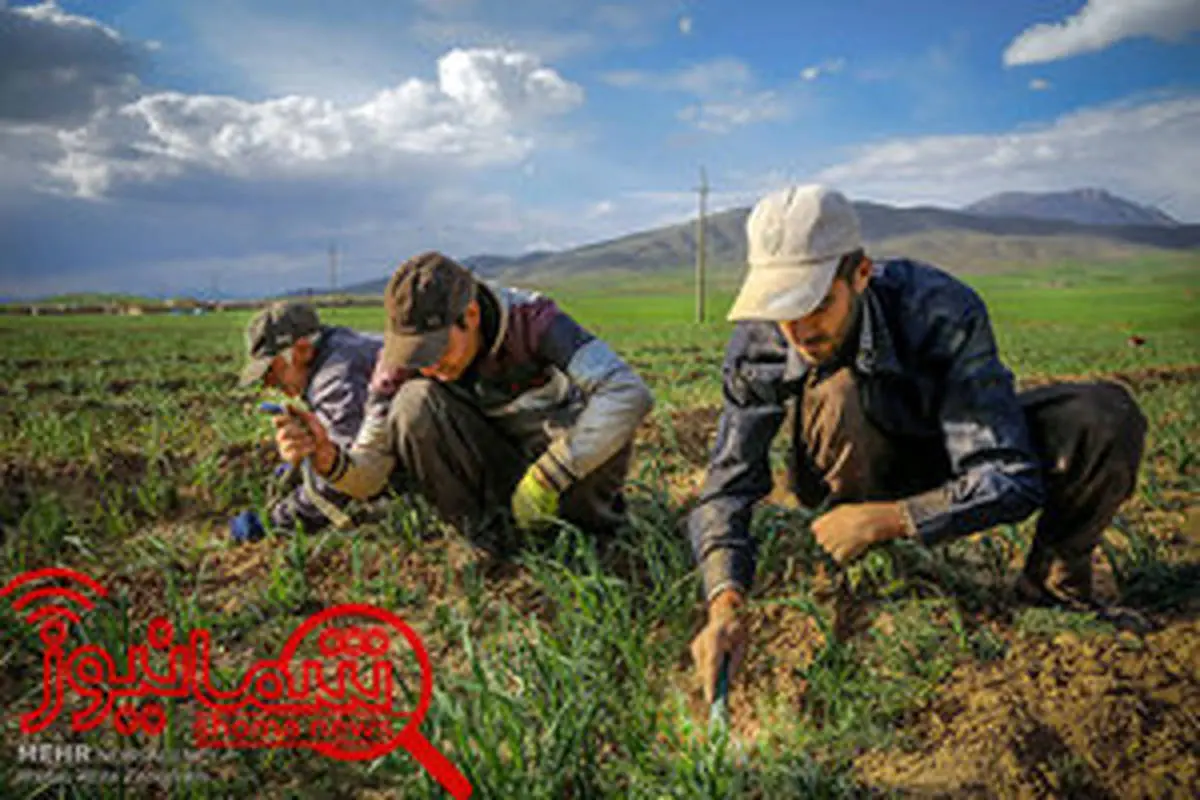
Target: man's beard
846 338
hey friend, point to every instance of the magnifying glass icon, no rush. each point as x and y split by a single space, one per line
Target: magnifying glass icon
409 737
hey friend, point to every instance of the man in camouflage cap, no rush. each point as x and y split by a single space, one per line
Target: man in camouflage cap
329 368
498 405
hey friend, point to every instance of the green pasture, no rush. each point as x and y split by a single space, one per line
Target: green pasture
125 446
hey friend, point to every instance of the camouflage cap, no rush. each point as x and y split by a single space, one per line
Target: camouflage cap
273 330
424 297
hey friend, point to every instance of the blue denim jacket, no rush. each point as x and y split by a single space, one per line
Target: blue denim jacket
926 366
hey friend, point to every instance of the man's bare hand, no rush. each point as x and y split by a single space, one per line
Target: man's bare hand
848 530
299 435
725 633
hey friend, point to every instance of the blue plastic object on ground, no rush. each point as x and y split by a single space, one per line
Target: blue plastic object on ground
246 527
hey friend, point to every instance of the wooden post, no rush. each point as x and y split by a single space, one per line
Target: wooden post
700 248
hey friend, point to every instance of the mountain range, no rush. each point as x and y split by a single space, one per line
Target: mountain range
1009 230
1086 206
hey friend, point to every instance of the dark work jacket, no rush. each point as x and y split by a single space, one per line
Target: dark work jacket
926 366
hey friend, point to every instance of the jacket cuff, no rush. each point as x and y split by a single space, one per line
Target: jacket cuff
929 513
553 464
282 513
341 463
726 569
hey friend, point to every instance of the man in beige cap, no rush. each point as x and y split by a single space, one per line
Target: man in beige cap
497 404
329 368
906 423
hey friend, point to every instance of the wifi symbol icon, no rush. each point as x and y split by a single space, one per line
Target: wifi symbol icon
51 605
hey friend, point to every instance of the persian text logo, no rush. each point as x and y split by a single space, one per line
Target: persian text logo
337 686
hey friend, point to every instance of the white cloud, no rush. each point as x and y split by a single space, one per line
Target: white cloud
1039 84
831 67
601 209
625 78
1101 23
555 30
704 78
723 117
723 89
1148 150
685 25
719 76
447 7
619 17
547 44
481 110
57 68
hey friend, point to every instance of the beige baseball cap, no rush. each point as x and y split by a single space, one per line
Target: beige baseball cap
795 238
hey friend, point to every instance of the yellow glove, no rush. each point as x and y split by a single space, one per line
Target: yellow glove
533 503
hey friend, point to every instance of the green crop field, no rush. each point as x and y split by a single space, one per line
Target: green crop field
125 447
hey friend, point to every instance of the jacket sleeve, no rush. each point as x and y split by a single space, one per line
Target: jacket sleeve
739 470
362 470
616 401
298 509
996 477
337 395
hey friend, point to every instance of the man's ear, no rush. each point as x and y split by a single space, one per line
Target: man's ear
862 274
302 352
471 313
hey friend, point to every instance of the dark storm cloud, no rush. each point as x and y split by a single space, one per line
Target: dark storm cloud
57 68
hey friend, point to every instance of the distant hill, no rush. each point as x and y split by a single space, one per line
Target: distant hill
1086 206
957 240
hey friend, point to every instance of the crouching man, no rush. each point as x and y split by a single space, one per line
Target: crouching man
497 405
905 420
329 368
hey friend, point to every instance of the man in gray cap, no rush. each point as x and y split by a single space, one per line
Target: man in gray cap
498 406
906 423
329 368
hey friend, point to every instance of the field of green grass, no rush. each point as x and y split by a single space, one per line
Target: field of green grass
125 447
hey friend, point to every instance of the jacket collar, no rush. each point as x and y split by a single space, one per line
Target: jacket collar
876 353
502 303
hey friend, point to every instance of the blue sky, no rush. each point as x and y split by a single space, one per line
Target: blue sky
169 146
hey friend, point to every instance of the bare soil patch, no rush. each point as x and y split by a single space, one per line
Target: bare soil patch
1082 717
688 435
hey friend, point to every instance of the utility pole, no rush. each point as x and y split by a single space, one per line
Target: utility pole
700 248
333 266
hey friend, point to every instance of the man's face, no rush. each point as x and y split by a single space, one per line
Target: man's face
819 335
460 351
289 371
